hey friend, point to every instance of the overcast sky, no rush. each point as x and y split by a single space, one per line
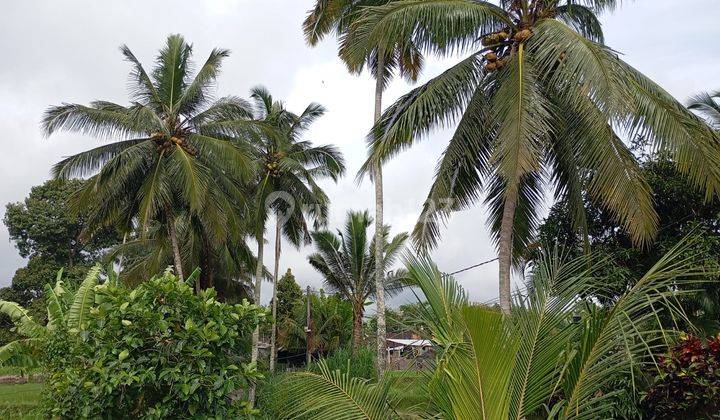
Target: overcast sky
67 51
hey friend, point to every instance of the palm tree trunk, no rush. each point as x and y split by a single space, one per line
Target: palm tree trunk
122 256
505 245
256 333
207 279
174 241
357 326
273 334
379 251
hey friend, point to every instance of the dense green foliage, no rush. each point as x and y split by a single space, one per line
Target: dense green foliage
688 383
47 232
681 209
156 351
537 361
330 324
45 226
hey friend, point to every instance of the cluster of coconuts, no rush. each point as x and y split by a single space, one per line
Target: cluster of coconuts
273 163
164 144
497 57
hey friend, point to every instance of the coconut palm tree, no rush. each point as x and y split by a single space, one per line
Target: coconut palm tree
555 356
708 106
178 148
538 100
347 262
286 185
398 55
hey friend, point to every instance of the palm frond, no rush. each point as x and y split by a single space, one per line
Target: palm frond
196 93
706 104
172 68
332 394
439 26
583 20
437 103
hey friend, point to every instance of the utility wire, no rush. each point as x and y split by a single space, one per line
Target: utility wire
471 267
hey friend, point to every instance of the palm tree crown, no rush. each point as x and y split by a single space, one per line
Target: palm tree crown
539 100
179 149
292 166
347 262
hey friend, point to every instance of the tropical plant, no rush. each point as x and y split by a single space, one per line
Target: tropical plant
289 295
556 354
225 265
681 210
399 55
48 235
347 263
286 184
159 350
331 321
688 382
180 150
67 314
707 105
542 100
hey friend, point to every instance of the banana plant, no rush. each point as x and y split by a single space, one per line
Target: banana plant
66 311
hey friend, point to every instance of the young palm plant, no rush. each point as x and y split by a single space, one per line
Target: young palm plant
556 355
397 55
538 100
347 262
286 185
66 311
177 147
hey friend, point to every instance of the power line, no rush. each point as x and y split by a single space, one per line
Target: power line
471 267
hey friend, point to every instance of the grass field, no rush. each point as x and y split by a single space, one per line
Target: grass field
19 401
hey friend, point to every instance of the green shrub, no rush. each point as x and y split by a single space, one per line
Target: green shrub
156 351
360 365
688 382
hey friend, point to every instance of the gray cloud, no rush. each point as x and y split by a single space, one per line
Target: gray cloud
68 52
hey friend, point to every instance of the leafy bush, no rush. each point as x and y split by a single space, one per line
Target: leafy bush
156 351
359 365
688 384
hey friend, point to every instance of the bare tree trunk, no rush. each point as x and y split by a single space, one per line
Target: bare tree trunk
357 327
506 246
379 251
273 334
174 241
256 333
